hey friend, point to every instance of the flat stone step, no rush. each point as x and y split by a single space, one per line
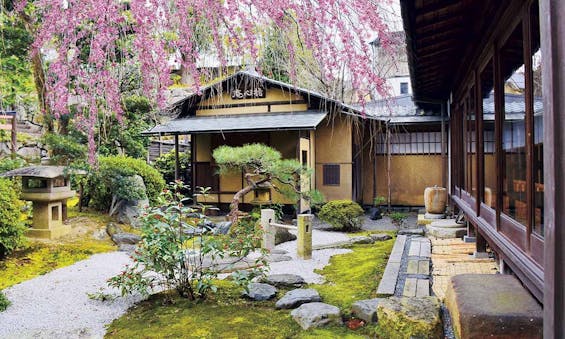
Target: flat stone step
420 248
493 306
447 233
387 285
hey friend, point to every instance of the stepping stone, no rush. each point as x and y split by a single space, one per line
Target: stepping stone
260 292
295 298
362 240
433 216
410 317
316 315
380 237
278 251
278 257
411 231
494 306
447 233
285 280
447 223
126 238
366 309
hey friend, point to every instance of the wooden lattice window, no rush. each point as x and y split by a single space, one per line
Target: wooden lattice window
331 175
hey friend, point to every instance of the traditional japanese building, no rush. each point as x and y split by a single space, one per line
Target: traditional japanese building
506 149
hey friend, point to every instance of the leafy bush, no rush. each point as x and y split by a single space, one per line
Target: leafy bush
166 164
343 215
65 149
398 218
4 302
8 164
11 227
171 255
101 183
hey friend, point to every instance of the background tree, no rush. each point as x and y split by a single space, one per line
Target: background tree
261 165
86 38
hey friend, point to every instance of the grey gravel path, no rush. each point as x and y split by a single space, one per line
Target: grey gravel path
56 305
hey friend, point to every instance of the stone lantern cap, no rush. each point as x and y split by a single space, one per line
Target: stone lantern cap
46 172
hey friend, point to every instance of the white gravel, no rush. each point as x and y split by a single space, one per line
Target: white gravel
320 258
56 305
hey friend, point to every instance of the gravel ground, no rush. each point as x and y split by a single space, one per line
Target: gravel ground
320 258
56 305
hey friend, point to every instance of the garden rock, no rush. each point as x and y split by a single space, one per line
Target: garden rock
375 213
283 235
366 309
112 229
99 234
130 210
411 231
316 315
260 292
404 317
126 238
380 237
222 227
278 257
362 240
128 248
295 298
285 280
278 251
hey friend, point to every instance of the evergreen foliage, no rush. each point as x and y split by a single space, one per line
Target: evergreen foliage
11 227
343 215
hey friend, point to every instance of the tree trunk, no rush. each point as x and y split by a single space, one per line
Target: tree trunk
234 206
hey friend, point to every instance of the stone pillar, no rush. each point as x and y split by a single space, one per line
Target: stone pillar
267 217
304 241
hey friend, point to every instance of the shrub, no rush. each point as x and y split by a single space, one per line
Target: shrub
101 182
398 218
343 215
4 302
11 227
8 164
172 256
65 150
165 164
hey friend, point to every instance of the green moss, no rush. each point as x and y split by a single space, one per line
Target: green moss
350 277
224 315
39 258
368 233
354 276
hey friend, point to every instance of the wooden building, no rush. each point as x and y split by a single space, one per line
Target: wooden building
245 108
506 174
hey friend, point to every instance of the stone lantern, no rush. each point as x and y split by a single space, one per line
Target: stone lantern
48 188
262 194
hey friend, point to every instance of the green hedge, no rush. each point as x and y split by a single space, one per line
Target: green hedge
343 215
11 227
101 182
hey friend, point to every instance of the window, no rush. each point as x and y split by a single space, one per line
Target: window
403 88
331 175
411 143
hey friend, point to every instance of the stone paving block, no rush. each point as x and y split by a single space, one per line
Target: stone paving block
397 249
387 286
410 286
422 288
414 250
424 267
426 249
423 221
412 267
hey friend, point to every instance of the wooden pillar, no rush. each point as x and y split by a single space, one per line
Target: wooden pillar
14 136
552 30
177 161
